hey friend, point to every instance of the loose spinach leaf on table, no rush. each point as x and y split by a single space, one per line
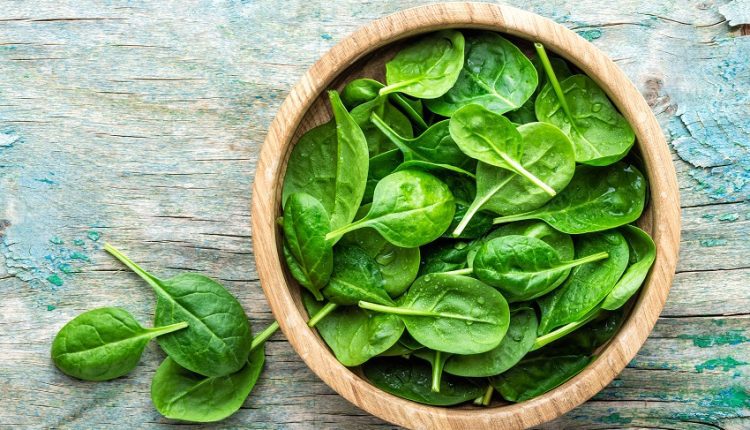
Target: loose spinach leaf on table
353 334
217 340
451 313
642 256
437 361
309 254
535 376
517 342
495 75
546 154
356 276
582 110
412 380
524 268
398 266
180 394
596 199
588 284
103 344
428 67
409 208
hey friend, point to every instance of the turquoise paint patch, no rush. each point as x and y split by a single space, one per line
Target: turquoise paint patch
590 35
56 240
732 337
710 243
46 181
9 137
729 217
719 323
79 256
54 279
725 364
709 216
94 235
615 418
51 307
78 242
326 36
734 397
65 268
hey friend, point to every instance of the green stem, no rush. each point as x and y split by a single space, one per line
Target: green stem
409 111
264 335
518 168
322 313
149 278
473 209
487 398
437 371
467 271
394 310
512 218
564 330
583 260
396 87
158 331
391 134
552 78
346 229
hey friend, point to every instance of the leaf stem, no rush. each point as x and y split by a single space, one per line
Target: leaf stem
564 330
409 110
322 313
583 260
552 78
396 310
158 331
437 371
396 87
264 335
511 218
149 278
467 271
346 229
391 134
487 398
518 168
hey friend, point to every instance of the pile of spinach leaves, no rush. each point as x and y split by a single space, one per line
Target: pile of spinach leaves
464 228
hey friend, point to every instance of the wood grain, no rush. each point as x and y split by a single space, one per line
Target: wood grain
141 121
304 107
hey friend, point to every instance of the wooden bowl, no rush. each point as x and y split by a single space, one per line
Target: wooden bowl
363 54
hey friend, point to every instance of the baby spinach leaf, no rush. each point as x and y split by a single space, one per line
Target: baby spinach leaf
446 256
377 142
546 154
588 284
398 266
437 361
312 166
561 242
451 313
596 199
305 226
581 109
428 67
355 277
412 380
363 90
180 394
217 340
353 334
642 256
524 268
103 344
435 144
584 339
496 75
409 208
434 168
535 376
514 346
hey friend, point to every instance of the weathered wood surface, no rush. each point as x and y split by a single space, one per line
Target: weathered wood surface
139 123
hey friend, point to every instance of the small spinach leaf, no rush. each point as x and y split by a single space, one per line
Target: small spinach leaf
642 256
451 314
103 344
596 199
496 75
412 380
535 376
428 67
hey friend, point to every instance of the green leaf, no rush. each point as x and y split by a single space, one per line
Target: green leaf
535 376
496 75
103 344
428 67
356 276
642 256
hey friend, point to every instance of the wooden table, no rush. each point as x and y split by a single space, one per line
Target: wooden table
139 123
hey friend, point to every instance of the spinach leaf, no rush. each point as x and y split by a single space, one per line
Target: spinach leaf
596 199
363 90
446 256
561 242
377 141
355 277
588 284
524 268
103 344
535 376
585 338
381 165
477 227
183 395
217 340
451 313
312 166
526 113
412 380
581 109
398 266
546 154
305 226
514 346
496 75
437 361
435 168
642 256
428 67
353 334
409 208
435 144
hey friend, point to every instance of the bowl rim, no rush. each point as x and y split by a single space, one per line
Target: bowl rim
662 219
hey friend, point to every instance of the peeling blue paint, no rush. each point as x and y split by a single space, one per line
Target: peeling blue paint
710 243
590 35
8 137
326 36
